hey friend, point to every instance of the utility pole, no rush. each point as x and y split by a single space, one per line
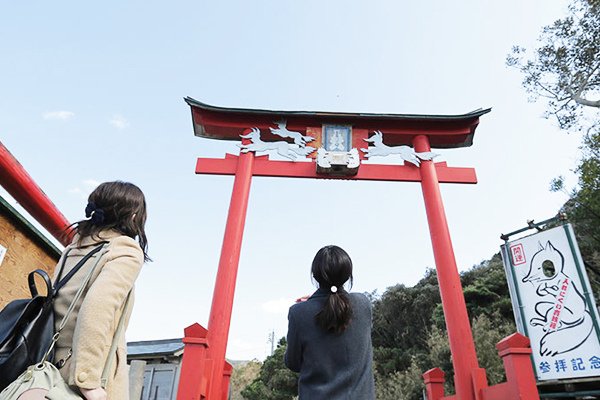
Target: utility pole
272 341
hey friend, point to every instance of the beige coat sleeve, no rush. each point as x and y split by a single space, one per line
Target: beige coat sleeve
98 316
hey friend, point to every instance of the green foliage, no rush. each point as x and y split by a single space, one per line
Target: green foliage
242 376
275 381
583 208
439 356
409 335
400 385
408 383
565 68
400 318
486 290
487 332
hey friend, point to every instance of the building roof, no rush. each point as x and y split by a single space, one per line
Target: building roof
444 131
20 220
155 348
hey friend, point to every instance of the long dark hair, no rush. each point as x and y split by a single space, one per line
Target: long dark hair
120 206
331 268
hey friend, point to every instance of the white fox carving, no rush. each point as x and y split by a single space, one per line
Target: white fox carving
563 313
283 148
283 131
406 153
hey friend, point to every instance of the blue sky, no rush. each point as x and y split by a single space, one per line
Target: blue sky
93 92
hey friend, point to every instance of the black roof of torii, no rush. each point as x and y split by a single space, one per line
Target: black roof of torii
444 131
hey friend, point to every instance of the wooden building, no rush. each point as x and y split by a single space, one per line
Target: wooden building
163 365
23 248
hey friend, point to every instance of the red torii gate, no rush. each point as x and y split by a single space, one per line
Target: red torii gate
204 372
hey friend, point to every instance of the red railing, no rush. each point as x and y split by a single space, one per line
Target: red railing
19 184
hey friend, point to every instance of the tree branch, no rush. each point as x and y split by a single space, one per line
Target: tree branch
585 102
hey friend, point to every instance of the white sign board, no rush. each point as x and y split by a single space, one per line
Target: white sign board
553 303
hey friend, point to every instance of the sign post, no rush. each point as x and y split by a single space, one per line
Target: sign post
553 303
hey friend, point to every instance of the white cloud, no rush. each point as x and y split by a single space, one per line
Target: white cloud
91 183
58 115
84 189
119 121
278 306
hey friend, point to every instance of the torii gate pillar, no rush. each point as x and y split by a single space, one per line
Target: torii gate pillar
462 346
222 302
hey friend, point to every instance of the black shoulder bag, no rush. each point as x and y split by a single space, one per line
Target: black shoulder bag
27 325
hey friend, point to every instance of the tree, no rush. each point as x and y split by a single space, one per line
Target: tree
409 332
401 318
565 68
275 381
583 207
242 376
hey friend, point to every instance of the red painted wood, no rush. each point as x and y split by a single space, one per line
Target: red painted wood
23 188
434 383
514 341
369 172
479 380
515 351
464 358
222 302
501 391
520 382
192 383
227 371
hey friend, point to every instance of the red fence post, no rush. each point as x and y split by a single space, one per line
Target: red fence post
460 336
193 382
515 351
227 371
434 383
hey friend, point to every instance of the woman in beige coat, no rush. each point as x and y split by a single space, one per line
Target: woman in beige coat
117 215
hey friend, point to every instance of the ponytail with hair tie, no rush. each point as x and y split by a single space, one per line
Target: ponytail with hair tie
331 268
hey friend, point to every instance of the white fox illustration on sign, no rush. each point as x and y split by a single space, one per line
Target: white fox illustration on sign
553 303
562 312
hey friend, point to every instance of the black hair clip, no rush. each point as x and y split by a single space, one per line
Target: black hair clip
96 214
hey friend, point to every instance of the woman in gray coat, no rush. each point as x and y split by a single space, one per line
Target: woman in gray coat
329 335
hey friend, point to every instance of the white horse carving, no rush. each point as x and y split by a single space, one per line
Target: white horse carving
406 153
282 131
283 148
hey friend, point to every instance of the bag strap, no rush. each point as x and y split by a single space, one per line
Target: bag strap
76 298
75 269
113 347
62 265
33 287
